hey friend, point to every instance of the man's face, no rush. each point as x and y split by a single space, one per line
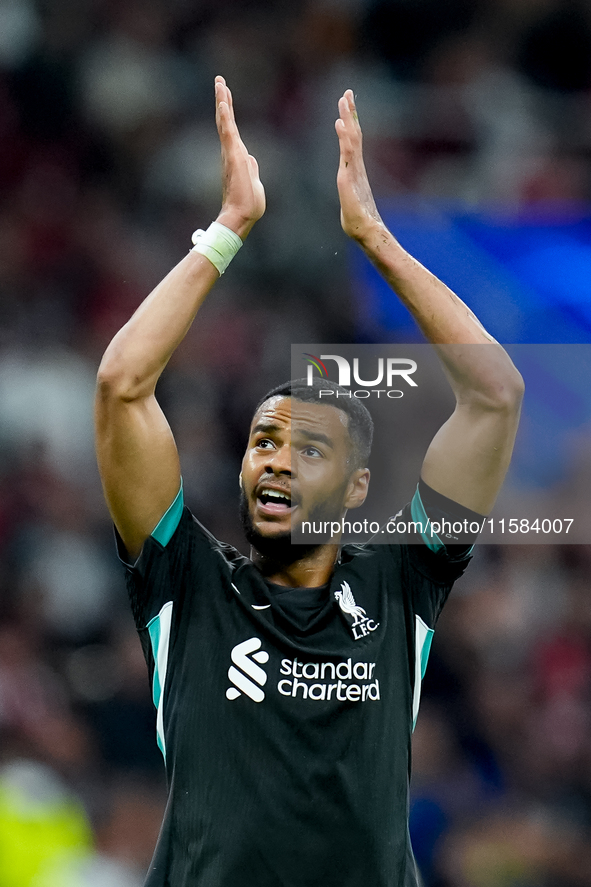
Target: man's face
297 466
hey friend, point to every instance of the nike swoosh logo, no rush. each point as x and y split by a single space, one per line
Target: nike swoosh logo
261 607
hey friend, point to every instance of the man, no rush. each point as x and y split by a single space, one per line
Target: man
286 686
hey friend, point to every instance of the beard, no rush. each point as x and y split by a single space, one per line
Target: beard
279 547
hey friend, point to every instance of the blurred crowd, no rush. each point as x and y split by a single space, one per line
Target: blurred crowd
108 161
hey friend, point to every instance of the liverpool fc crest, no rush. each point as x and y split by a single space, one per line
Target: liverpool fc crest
360 625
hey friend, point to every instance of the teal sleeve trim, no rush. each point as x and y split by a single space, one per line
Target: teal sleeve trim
159 629
423 639
425 651
170 520
419 516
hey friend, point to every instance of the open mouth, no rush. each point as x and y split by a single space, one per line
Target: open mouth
274 502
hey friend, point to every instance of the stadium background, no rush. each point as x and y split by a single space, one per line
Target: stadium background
108 161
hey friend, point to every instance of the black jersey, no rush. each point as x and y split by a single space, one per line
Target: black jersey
286 735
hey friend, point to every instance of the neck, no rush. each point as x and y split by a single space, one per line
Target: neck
314 568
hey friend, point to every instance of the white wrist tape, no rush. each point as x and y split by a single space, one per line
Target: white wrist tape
219 244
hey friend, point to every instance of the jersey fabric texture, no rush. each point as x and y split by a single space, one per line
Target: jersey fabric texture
285 715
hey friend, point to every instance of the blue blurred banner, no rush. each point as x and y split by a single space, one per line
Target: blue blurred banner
526 274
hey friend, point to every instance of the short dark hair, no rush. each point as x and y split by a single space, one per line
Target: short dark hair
360 425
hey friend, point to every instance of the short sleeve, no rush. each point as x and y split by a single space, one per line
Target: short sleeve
158 575
439 542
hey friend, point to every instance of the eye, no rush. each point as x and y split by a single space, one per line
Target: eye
264 443
312 451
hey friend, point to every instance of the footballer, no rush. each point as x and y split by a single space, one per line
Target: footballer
287 684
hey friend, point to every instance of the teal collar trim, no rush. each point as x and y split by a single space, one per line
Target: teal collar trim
165 529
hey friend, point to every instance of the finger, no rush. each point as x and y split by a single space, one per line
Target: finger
350 125
230 99
348 110
224 96
224 109
345 111
224 92
345 128
345 146
341 129
219 98
219 89
351 103
219 94
225 123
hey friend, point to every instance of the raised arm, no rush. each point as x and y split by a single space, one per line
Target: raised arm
469 456
137 456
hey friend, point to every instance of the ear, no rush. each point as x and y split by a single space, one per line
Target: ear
357 488
240 480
